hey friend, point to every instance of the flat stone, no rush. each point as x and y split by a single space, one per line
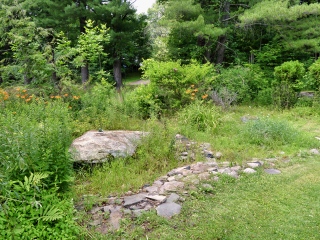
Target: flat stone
233 174
249 170
218 155
134 199
138 212
168 210
314 151
226 170
173 198
171 187
184 154
254 164
158 198
157 183
114 219
235 168
152 189
199 167
172 178
204 176
272 171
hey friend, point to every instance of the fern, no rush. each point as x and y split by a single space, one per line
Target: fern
49 214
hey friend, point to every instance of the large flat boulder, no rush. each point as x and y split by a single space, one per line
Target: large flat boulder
96 147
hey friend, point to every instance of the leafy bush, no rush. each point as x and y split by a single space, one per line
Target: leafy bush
199 116
28 210
35 137
314 71
143 102
288 81
270 132
172 81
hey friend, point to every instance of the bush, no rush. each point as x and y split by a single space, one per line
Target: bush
244 81
270 132
314 71
35 137
31 211
143 102
177 85
288 81
199 116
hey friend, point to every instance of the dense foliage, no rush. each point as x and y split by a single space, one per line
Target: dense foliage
60 63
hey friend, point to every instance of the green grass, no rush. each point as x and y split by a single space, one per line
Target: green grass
261 206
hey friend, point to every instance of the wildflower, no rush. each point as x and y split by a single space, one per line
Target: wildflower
192 94
204 96
196 90
70 107
66 95
51 97
18 89
76 97
23 96
192 86
188 91
192 98
24 90
18 95
28 100
57 97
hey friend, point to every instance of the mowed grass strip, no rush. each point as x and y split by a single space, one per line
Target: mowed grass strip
261 206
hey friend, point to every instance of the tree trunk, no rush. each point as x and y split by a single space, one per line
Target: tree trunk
85 73
117 73
222 40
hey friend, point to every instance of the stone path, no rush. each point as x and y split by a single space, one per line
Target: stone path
168 192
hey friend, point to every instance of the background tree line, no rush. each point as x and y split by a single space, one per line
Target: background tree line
49 41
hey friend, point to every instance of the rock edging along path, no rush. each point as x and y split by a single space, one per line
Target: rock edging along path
167 193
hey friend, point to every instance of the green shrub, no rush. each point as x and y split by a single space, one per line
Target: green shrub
177 85
314 71
35 137
199 116
270 132
142 102
31 211
288 81
244 81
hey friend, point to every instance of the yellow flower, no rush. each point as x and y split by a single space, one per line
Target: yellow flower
66 95
24 90
188 91
28 100
57 97
196 90
192 98
192 86
51 97
193 94
18 89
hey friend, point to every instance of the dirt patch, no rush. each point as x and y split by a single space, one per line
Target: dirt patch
139 82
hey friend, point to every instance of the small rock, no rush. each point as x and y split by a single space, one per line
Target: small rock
218 155
204 176
95 222
107 209
207 186
235 168
173 197
152 189
138 212
233 174
171 186
184 154
95 210
170 179
168 210
254 164
249 170
158 183
115 218
158 198
208 154
314 151
272 171
134 199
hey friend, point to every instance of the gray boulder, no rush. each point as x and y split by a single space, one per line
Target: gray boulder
96 147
